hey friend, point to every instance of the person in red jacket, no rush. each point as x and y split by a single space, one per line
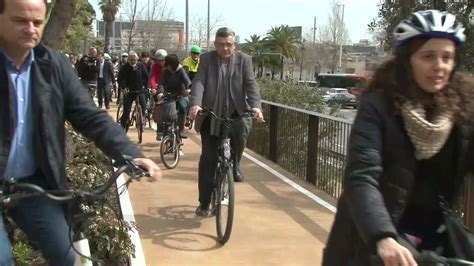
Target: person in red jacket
155 77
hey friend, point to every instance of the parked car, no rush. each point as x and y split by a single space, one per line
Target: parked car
332 92
344 100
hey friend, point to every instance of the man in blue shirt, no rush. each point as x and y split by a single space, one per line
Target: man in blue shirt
38 93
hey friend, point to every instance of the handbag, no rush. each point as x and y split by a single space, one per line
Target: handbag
460 238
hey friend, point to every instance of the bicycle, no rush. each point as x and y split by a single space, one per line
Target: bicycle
12 192
223 193
136 115
171 141
150 106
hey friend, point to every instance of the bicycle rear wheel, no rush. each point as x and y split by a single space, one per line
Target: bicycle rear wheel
169 151
224 204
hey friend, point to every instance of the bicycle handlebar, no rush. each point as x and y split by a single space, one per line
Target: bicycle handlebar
209 112
16 191
169 98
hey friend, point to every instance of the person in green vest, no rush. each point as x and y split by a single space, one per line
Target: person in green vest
191 63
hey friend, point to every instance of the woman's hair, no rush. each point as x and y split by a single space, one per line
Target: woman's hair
172 61
396 78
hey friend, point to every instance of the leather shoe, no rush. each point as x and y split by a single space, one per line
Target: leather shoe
238 176
202 211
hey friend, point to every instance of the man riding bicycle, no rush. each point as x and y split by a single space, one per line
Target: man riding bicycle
38 92
134 77
224 83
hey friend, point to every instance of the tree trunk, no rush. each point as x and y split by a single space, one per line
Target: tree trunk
281 68
108 33
58 23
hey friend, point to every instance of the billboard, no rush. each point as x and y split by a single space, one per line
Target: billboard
297 31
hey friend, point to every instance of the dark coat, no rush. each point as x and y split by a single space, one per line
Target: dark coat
58 96
380 177
108 72
133 79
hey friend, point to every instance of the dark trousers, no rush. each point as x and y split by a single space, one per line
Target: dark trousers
44 223
208 161
103 93
127 106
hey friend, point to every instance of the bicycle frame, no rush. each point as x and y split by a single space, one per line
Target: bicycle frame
12 192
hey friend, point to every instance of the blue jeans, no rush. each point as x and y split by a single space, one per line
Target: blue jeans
44 223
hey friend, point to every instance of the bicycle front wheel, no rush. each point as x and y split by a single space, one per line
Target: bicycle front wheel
139 125
224 204
169 151
119 112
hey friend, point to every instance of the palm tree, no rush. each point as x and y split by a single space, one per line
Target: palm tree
109 9
256 43
282 40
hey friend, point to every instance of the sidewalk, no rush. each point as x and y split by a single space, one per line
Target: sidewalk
274 224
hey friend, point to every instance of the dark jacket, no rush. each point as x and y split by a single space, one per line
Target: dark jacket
174 82
133 79
87 68
58 96
108 72
380 176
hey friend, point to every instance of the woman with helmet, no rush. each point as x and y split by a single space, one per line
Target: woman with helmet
155 77
409 150
191 63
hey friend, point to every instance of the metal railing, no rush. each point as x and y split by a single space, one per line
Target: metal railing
310 145
313 146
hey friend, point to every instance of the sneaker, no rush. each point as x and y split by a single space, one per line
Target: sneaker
202 212
158 137
182 135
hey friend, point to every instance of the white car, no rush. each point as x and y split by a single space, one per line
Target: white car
332 92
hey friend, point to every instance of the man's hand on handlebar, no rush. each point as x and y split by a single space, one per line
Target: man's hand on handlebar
194 111
394 254
150 166
258 115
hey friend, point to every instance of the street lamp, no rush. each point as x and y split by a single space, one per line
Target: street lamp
301 61
342 35
208 22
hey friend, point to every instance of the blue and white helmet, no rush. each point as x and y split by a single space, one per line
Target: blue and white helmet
430 23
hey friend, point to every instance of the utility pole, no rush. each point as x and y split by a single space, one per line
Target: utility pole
314 31
186 47
208 22
342 34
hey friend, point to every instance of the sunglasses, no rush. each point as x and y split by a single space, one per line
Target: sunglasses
195 53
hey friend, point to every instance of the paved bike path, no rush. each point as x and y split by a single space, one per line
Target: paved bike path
274 224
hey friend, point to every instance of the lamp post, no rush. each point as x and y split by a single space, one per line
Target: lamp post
187 28
301 61
208 22
342 34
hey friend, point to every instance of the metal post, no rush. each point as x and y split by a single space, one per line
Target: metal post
187 28
301 61
314 31
342 29
273 141
208 22
312 151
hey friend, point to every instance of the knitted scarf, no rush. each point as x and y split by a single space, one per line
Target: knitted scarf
428 137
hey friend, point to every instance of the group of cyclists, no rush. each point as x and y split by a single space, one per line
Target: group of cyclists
148 76
410 149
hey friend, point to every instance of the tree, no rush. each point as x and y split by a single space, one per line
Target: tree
132 15
198 29
282 40
58 23
109 9
79 29
257 43
334 34
392 12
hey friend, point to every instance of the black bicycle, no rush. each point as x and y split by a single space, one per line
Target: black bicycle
136 113
12 192
171 142
223 193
